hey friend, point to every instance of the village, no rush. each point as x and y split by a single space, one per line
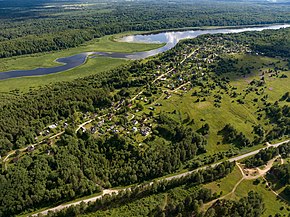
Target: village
135 115
137 118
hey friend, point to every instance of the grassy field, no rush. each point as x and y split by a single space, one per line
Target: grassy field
92 66
226 184
272 204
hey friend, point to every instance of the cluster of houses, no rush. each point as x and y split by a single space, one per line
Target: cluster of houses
103 126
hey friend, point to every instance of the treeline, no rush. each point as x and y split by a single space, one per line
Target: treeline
267 154
250 206
210 159
279 177
134 193
268 42
188 207
55 29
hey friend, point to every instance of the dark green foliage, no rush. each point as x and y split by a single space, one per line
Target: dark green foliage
250 206
187 207
267 154
281 174
286 192
286 97
280 117
231 135
36 181
210 159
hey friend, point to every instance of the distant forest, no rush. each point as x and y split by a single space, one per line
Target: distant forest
62 26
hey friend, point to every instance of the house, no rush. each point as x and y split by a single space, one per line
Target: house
31 148
135 122
100 123
46 132
53 126
115 131
134 129
93 130
145 131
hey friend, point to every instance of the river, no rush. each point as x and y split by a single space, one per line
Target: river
171 38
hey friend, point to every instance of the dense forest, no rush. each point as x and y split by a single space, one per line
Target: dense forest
61 28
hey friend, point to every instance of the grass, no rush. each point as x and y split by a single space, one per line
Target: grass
226 184
228 113
272 203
